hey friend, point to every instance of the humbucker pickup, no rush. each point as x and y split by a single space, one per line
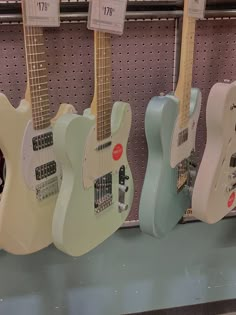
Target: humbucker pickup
42 141
183 137
45 170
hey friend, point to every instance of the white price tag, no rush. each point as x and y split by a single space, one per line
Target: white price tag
107 15
45 13
197 8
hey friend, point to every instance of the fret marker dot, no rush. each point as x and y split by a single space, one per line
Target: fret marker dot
41 65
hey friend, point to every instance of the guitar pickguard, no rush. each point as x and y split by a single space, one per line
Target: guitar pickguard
183 139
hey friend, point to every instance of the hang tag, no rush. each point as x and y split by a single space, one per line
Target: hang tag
42 13
197 8
107 16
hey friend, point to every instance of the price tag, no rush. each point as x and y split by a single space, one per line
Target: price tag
42 13
197 8
107 15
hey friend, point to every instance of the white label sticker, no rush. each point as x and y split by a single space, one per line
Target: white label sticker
197 8
42 13
107 15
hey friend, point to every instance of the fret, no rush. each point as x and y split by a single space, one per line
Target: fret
42 116
103 58
36 91
105 67
40 108
33 35
44 95
104 98
104 115
40 69
39 77
36 54
35 44
101 91
37 62
38 84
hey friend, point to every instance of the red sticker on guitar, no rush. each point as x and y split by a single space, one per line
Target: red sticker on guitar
231 200
117 152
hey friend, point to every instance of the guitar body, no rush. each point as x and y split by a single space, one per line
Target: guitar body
77 228
214 190
25 221
161 205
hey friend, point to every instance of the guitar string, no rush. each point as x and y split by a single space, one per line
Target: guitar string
98 51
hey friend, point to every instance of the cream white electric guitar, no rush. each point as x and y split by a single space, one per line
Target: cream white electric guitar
97 188
214 193
33 175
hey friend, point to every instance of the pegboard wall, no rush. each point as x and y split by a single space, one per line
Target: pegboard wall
143 66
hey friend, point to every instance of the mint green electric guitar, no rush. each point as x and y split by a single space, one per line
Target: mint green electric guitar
170 126
97 187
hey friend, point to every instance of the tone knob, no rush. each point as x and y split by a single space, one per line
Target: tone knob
124 188
123 207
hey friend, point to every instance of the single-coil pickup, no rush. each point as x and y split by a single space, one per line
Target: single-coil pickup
45 170
183 137
104 146
42 141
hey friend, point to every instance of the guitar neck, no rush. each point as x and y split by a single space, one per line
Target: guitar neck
102 106
183 90
37 78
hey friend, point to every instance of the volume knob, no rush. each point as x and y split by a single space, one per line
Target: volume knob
123 207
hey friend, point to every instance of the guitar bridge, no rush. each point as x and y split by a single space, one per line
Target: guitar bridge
182 175
103 193
47 189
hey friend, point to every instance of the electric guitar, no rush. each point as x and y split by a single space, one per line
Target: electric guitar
214 190
97 187
170 126
33 175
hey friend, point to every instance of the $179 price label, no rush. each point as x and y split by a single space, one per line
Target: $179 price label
107 15
42 13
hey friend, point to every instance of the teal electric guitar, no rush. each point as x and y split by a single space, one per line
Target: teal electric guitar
97 186
170 126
